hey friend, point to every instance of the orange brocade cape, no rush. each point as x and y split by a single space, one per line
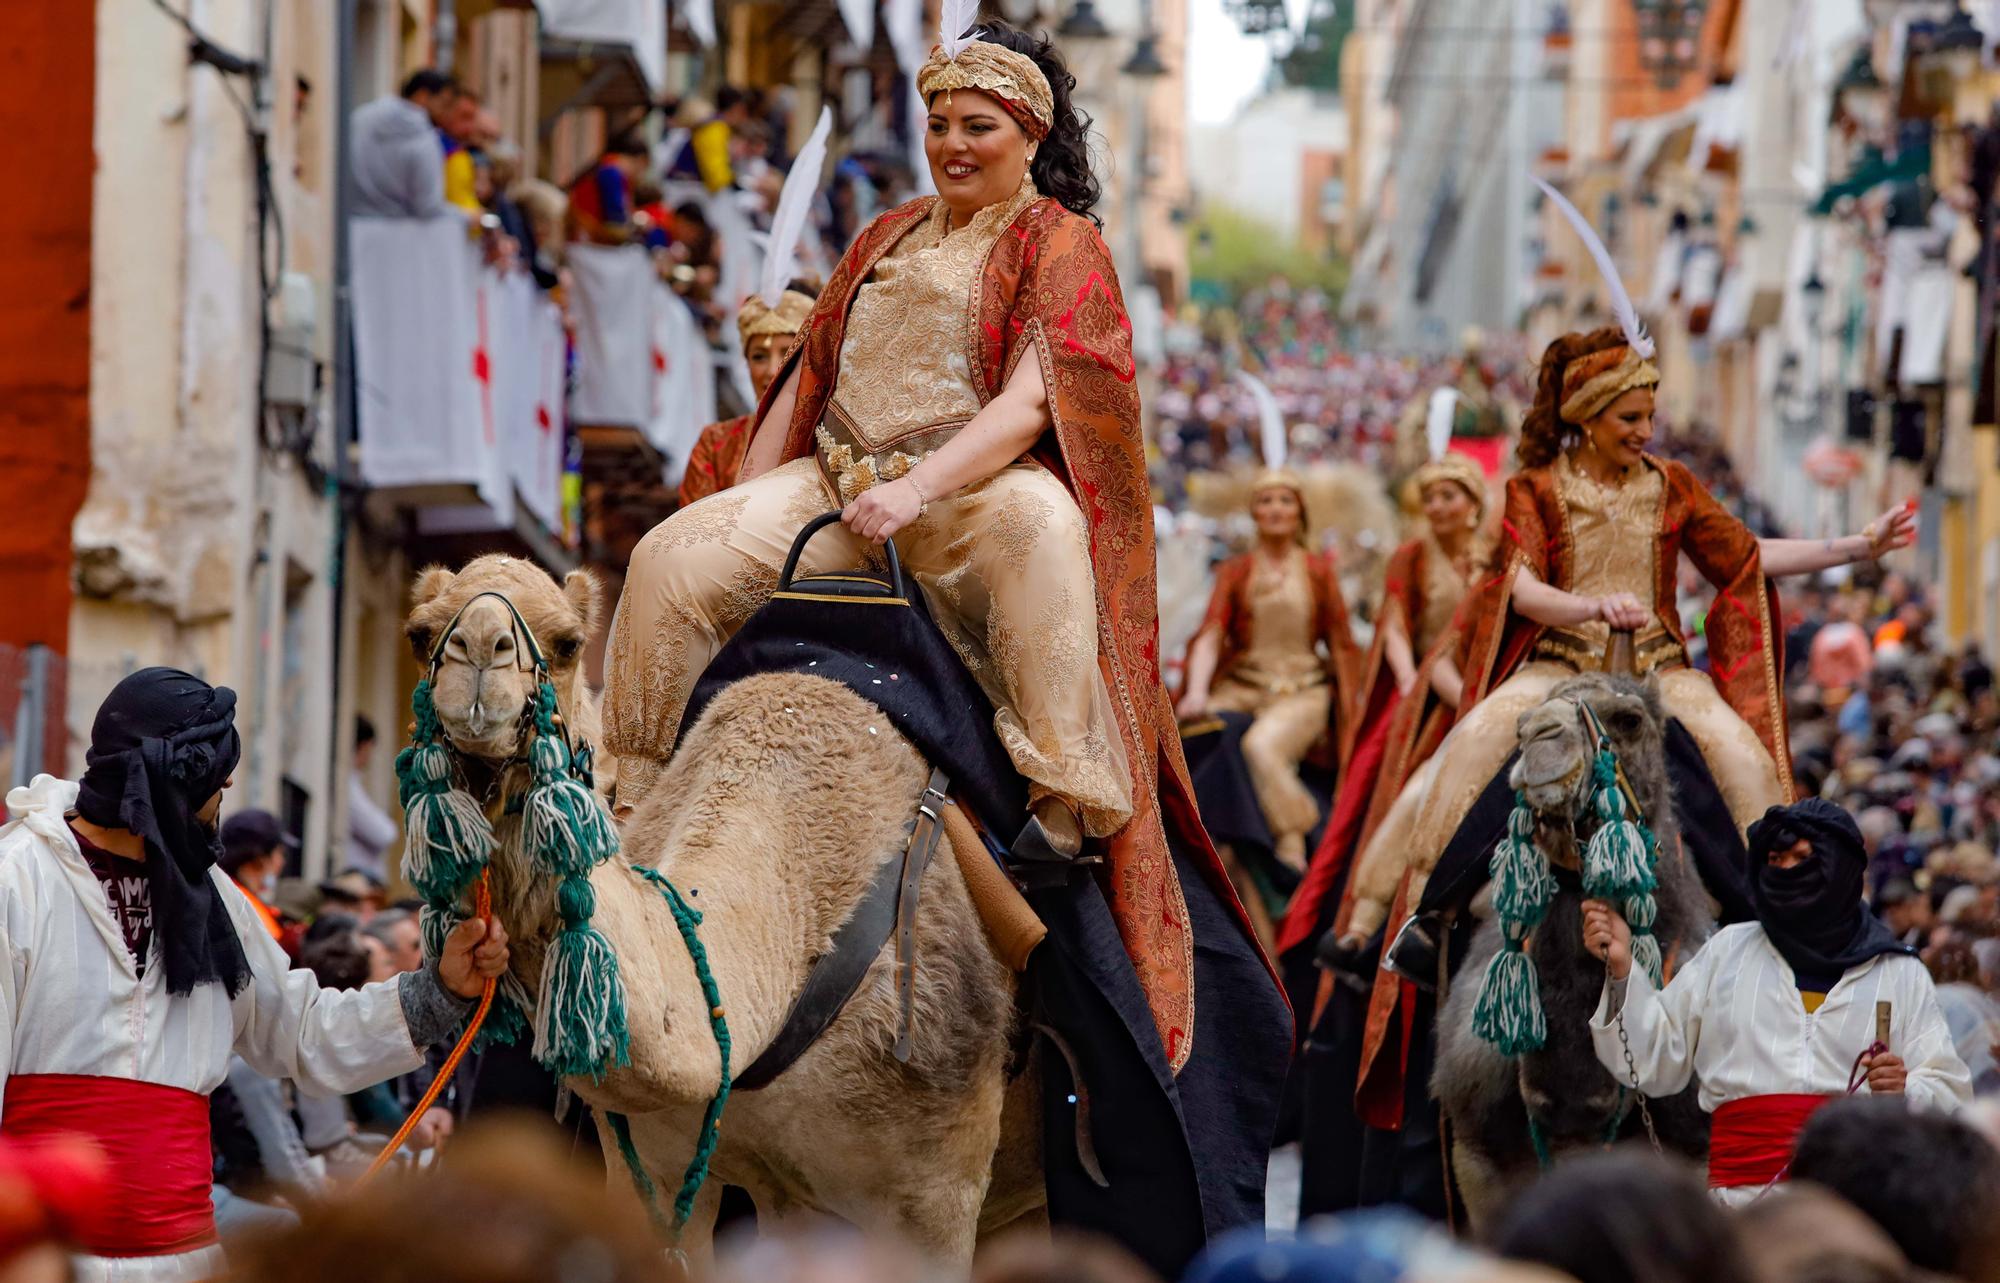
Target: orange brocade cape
1049 283
1535 534
715 460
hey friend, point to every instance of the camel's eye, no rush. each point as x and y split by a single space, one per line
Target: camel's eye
1627 722
566 648
420 640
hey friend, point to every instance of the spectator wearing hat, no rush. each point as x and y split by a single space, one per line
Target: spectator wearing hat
254 848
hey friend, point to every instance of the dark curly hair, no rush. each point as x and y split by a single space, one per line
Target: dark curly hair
1543 432
1062 161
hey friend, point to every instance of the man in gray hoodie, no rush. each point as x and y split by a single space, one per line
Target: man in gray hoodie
397 157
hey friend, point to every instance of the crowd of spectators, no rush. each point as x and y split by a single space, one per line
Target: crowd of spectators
693 181
1339 405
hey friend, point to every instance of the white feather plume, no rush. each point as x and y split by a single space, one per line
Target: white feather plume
1270 419
1437 426
956 20
788 220
1621 302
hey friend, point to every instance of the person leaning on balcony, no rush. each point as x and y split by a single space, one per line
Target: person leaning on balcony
398 163
600 202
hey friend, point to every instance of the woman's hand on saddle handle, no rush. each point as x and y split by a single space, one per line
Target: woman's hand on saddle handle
1622 611
1607 937
1556 608
878 512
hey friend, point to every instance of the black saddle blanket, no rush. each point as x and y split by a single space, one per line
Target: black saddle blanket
893 656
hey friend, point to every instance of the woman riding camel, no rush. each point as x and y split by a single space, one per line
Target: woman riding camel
1258 651
1591 539
1410 688
965 387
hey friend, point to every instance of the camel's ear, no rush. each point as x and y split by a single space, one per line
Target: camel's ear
432 583
586 596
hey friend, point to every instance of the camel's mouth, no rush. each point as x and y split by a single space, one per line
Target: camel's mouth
1548 780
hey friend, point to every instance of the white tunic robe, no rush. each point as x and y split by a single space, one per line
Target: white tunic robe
1733 1016
71 1001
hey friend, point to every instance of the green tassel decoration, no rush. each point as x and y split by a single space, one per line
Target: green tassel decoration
580 1015
1646 954
1522 885
447 837
564 827
1508 1012
1618 861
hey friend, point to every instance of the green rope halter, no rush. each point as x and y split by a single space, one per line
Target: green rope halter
687 918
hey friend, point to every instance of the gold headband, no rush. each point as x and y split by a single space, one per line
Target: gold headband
1595 381
1457 468
1010 77
755 319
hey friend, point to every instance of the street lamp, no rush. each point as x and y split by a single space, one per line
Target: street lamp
1669 37
1145 64
1083 23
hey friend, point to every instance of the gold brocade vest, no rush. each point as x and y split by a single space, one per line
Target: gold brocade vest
1283 656
1615 532
905 383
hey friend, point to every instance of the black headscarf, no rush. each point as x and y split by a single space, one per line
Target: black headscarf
163 744
1813 911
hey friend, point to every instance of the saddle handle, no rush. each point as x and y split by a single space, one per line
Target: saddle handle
820 523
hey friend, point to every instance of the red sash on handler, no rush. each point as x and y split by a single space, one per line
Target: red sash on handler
1750 1141
155 1144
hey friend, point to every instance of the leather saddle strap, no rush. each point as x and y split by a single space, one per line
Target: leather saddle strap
924 840
838 973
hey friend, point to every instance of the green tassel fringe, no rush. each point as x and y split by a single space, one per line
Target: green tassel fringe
1508 1013
448 838
1646 955
580 1017
1522 884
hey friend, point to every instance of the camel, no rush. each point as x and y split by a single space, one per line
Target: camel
781 804
1489 1098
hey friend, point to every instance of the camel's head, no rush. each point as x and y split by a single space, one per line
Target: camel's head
486 676
1559 744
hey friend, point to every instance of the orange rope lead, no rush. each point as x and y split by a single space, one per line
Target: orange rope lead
483 906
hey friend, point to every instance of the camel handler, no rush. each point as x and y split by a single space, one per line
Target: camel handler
132 968
766 334
1813 1000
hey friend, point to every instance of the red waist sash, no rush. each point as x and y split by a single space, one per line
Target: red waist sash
155 1144
1750 1141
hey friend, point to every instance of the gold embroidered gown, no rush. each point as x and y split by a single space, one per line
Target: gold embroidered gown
1615 531
1281 679
1004 562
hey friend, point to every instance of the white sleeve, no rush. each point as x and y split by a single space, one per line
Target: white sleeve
13 928
328 1041
1938 1079
1662 1028
369 823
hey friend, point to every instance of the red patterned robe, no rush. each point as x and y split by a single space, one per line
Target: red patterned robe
715 460
1049 283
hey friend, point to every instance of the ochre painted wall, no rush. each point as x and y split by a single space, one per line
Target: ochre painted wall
47 61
